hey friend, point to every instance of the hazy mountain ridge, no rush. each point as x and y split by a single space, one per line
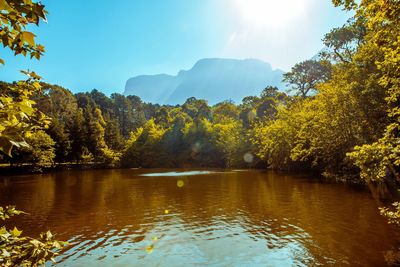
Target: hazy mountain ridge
214 79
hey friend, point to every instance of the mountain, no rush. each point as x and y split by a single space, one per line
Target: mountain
213 79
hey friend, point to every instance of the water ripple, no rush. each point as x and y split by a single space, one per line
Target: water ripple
239 218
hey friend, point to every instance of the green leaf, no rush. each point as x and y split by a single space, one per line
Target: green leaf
15 232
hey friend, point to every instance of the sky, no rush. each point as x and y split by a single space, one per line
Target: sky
101 44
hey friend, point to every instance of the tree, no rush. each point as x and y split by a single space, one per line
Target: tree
59 132
57 102
143 148
266 108
15 17
275 139
380 160
112 135
18 115
200 144
224 110
342 43
123 112
248 110
60 105
95 136
78 131
139 118
306 75
131 154
172 142
197 108
162 116
40 151
105 104
228 136
250 102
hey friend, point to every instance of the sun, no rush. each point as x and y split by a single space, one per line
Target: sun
269 13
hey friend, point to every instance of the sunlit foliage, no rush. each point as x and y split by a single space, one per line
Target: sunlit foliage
381 159
18 115
304 76
15 16
19 250
40 152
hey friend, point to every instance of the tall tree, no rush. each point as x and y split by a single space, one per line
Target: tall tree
380 160
123 112
41 150
60 105
139 117
342 43
305 76
78 131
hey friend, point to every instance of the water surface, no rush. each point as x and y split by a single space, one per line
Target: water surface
201 218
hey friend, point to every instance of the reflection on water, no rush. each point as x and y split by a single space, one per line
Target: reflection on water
181 173
247 218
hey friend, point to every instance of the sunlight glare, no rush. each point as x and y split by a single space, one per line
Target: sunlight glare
264 13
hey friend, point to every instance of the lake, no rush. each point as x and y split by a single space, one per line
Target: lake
159 217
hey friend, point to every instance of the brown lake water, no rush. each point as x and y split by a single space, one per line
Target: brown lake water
169 217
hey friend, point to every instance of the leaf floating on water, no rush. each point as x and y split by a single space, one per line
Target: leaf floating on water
180 183
155 238
149 249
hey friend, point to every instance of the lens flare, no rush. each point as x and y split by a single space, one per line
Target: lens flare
180 183
248 157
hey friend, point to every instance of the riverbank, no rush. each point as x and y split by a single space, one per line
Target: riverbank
8 170
24 169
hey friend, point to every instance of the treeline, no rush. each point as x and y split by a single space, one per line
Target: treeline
341 117
125 131
345 122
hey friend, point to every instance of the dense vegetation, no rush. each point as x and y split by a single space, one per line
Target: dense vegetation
119 130
19 121
341 119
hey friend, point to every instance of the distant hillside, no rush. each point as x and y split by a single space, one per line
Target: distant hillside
214 79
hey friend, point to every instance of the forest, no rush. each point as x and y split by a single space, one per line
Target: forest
340 118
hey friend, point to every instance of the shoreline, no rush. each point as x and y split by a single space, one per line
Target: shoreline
59 167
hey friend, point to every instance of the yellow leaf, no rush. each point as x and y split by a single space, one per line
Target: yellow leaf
4 5
149 249
15 232
28 37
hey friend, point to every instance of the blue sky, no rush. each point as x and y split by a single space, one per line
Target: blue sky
100 44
